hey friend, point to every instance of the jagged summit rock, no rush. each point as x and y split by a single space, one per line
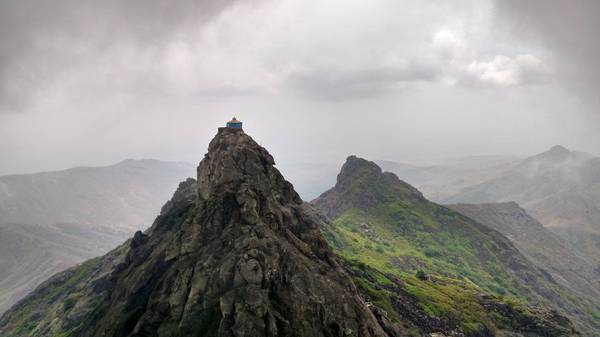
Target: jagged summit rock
358 174
235 161
234 254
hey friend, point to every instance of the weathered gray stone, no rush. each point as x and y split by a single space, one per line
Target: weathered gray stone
236 254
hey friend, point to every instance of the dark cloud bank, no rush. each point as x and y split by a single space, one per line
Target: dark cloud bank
93 82
41 39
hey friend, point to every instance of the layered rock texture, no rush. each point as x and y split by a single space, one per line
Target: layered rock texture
235 254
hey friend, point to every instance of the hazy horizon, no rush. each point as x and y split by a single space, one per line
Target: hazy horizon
438 161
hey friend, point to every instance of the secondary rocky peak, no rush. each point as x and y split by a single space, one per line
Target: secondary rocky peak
362 184
358 170
356 167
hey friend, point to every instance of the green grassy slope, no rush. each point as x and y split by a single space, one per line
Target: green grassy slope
453 266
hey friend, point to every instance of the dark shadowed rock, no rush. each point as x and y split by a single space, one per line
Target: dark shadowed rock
239 256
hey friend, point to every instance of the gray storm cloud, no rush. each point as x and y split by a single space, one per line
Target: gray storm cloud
570 29
44 39
133 45
332 83
95 82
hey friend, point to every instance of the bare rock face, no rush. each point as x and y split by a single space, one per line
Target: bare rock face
238 256
359 174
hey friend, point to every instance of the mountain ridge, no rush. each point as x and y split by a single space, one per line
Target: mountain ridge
539 244
31 253
560 188
120 194
409 234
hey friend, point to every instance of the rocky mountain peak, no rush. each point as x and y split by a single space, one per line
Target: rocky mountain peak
356 167
235 253
362 184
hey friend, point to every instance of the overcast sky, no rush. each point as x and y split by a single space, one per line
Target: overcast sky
94 82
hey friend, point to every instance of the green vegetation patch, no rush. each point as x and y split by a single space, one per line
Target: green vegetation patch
449 268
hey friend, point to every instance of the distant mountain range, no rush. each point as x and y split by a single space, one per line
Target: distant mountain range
439 182
29 254
541 246
128 193
559 187
51 221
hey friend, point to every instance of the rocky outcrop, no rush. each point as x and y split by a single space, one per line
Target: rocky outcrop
358 184
238 256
